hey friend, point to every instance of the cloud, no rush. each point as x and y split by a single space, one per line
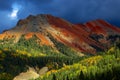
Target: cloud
35 7
5 4
84 10
5 21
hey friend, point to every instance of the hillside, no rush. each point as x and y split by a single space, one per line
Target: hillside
105 67
73 51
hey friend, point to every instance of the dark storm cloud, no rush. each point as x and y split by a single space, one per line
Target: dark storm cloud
84 10
38 2
72 10
5 5
34 7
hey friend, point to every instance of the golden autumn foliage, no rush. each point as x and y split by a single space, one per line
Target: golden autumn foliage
111 50
92 60
0 51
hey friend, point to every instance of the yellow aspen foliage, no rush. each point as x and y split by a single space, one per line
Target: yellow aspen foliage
92 60
0 51
111 50
5 49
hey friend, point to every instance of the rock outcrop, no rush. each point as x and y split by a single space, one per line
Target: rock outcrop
31 74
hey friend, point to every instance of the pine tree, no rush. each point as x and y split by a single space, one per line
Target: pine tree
81 77
54 77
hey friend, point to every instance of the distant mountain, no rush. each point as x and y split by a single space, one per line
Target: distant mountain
90 37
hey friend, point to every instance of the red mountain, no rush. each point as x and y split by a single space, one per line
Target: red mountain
90 37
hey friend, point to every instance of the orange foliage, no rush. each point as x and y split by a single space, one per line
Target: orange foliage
29 35
1 36
43 39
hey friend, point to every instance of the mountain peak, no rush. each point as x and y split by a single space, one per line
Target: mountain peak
31 18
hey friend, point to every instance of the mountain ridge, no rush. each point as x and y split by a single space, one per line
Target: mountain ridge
89 37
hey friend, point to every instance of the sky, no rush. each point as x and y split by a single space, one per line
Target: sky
75 11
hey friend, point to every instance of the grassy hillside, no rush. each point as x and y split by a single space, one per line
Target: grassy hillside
15 57
100 67
62 61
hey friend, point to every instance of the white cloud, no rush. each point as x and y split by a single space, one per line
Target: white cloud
15 9
13 15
